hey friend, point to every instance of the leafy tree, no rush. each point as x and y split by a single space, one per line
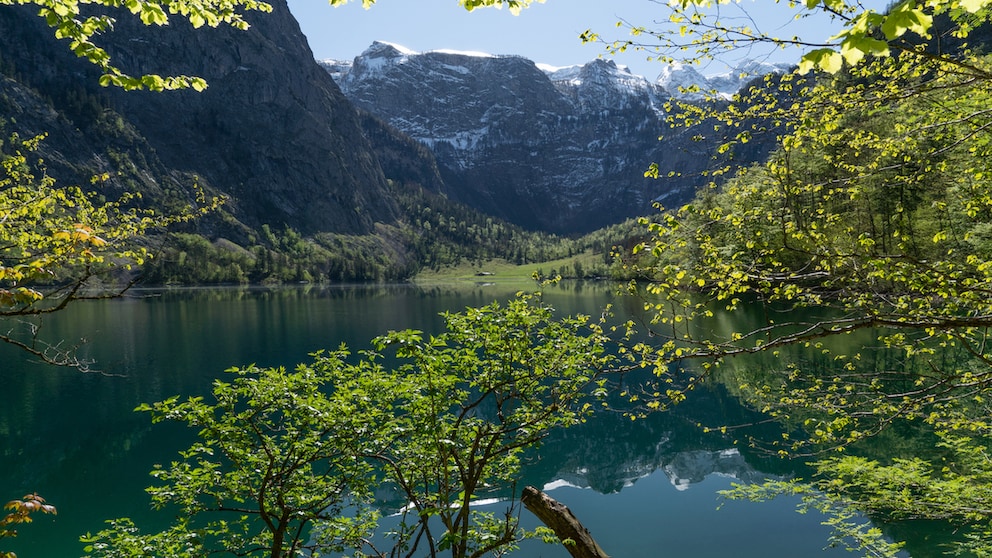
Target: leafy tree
871 217
709 29
276 454
493 385
287 462
59 244
19 512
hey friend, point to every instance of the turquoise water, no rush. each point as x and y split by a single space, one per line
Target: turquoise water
646 488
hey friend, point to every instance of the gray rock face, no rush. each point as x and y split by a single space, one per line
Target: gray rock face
679 79
561 150
272 131
556 149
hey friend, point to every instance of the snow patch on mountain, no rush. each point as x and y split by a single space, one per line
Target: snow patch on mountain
568 74
683 81
472 53
394 46
603 72
603 85
561 149
337 68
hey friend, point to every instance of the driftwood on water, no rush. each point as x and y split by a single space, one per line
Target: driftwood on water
562 521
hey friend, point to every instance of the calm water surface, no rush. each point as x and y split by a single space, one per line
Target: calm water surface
643 489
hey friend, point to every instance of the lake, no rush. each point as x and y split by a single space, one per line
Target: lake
643 488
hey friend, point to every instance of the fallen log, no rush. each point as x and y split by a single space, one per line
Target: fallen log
574 536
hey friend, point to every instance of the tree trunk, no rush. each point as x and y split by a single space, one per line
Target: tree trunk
576 538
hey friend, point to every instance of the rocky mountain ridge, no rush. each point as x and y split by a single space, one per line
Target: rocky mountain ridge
556 149
272 132
683 81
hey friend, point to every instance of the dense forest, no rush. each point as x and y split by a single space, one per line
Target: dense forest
434 233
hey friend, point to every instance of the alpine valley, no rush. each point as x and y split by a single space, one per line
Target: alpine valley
555 149
370 169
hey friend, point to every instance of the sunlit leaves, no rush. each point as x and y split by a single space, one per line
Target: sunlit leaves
850 529
973 6
873 217
283 447
20 511
855 50
56 242
904 17
871 221
853 160
515 6
49 233
443 427
954 488
704 30
492 385
823 58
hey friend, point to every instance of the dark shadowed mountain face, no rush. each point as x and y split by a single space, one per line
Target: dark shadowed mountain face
272 131
560 150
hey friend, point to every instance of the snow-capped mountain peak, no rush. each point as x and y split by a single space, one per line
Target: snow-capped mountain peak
602 84
600 67
685 82
561 149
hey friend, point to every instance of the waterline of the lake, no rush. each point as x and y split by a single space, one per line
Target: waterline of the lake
645 487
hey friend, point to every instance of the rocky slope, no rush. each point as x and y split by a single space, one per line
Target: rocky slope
556 149
272 132
686 82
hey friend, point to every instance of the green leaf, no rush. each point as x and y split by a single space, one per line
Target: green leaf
904 19
152 14
855 48
825 59
972 6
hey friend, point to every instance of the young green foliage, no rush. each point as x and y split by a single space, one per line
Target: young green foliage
493 385
861 247
703 30
56 242
72 21
287 462
278 451
875 206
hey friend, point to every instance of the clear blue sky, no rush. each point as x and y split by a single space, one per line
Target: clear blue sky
547 33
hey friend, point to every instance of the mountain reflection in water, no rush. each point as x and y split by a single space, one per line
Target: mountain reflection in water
644 488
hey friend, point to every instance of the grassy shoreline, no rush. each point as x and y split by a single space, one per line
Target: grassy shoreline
502 271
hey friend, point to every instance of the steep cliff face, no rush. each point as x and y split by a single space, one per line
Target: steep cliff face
272 131
557 149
